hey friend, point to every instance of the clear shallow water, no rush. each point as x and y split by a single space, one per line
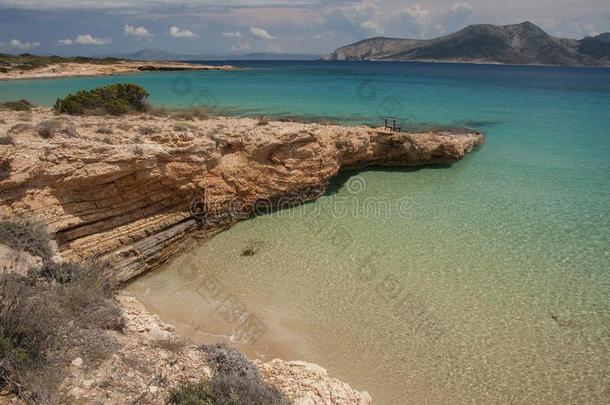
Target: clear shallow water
485 282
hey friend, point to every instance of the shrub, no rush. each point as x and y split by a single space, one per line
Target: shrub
191 113
236 381
148 130
6 139
114 99
104 130
49 313
227 390
21 105
27 235
5 169
18 128
183 127
225 360
39 328
28 330
170 343
186 114
262 121
56 126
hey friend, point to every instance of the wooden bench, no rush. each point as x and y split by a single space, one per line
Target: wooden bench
393 126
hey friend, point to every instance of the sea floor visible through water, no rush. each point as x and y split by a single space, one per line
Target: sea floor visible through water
486 282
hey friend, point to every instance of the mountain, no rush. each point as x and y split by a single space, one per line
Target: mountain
522 44
155 54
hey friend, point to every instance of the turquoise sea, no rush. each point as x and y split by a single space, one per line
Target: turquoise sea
484 282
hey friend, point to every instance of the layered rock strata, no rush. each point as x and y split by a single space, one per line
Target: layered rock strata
135 190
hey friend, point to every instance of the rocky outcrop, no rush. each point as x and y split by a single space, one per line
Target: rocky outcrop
134 190
309 384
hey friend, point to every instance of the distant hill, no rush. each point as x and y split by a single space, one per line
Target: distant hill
522 44
155 54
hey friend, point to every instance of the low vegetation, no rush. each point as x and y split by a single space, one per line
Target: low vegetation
7 139
44 312
114 99
262 121
236 381
184 114
56 126
19 105
5 169
27 61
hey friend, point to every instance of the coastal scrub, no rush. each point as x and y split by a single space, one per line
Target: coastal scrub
114 99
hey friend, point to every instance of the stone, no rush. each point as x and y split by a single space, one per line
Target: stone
77 362
88 384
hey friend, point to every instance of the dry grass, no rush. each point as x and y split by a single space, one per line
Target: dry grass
56 126
148 130
24 116
27 235
186 114
236 381
171 343
18 129
21 105
49 315
107 130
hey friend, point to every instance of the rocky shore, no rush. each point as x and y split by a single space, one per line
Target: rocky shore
67 69
126 189
135 191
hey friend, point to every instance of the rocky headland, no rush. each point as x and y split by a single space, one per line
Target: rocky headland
135 191
125 190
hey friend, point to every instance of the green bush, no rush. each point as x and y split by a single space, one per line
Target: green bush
114 99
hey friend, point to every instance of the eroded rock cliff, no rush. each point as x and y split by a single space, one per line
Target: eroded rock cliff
131 190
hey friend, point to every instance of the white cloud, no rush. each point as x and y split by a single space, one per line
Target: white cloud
417 13
232 34
138 32
241 47
15 43
358 17
181 33
261 33
462 7
371 26
85 39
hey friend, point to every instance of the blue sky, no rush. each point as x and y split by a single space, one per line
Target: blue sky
93 27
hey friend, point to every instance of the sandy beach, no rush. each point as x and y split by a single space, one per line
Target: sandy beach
74 69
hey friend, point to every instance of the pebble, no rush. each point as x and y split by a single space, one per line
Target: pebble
77 362
153 389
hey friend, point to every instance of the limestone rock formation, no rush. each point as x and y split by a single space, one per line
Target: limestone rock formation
309 384
130 190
